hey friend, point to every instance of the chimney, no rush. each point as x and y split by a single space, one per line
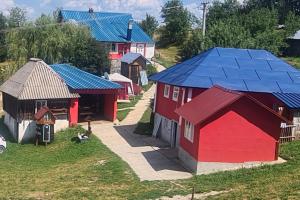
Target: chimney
91 10
129 30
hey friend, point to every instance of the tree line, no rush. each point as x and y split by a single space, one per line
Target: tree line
49 40
252 24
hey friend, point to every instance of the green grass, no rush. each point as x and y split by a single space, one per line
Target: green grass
133 101
145 125
167 56
121 114
67 170
295 61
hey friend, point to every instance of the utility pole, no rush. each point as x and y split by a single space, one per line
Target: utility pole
204 9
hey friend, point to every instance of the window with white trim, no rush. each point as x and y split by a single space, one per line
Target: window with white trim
167 91
175 93
189 131
114 47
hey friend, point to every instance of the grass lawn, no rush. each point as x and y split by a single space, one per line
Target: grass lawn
168 56
133 101
295 61
121 114
144 126
67 170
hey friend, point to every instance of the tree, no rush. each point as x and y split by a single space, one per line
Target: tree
292 24
149 25
17 17
3 48
177 21
56 43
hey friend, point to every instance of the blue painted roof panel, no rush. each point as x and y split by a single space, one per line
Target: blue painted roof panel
237 69
292 100
78 79
109 27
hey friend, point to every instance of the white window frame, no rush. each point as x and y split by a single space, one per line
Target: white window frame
116 48
189 131
167 91
175 93
42 102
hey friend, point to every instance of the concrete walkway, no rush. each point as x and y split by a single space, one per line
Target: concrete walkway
150 159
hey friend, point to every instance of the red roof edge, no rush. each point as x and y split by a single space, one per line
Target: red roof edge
241 94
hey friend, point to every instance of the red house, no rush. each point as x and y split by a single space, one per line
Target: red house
126 83
221 125
258 74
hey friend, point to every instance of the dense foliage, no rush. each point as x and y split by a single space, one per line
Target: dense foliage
231 24
178 21
54 43
149 25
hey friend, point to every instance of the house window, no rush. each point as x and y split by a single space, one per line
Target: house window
114 47
39 104
189 131
175 93
167 91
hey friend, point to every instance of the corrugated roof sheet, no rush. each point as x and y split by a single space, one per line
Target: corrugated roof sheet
36 80
78 79
108 27
119 77
292 100
131 57
236 69
211 101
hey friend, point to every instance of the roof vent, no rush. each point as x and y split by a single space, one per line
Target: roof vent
129 30
91 10
35 59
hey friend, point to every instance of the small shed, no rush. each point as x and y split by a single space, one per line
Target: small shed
133 66
126 83
224 126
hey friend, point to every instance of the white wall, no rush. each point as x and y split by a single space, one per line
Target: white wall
150 48
27 130
11 123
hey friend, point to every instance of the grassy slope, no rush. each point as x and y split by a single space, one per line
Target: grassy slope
66 170
144 126
167 56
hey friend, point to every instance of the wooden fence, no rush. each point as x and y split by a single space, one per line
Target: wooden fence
289 133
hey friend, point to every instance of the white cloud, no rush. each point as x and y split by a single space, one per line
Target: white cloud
6 5
45 2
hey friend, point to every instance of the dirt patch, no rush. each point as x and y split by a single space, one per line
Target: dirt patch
196 196
39 195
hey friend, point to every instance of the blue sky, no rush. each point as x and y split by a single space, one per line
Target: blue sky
138 8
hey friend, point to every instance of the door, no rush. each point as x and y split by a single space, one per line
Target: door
134 73
174 135
46 133
140 48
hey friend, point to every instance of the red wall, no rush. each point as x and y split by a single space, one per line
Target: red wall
190 147
123 93
122 49
166 106
73 115
110 107
243 132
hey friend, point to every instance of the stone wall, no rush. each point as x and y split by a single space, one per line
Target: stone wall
115 66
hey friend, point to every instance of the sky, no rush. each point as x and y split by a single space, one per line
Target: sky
138 8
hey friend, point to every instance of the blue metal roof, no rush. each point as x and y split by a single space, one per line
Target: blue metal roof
78 79
131 57
107 27
235 69
292 100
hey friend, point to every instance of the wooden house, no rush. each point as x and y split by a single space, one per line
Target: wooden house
37 84
132 65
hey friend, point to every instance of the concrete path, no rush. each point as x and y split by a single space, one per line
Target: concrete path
150 159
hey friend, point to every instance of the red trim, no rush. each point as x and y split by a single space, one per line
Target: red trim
73 112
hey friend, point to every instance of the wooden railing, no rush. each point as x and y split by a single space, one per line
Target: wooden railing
289 133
